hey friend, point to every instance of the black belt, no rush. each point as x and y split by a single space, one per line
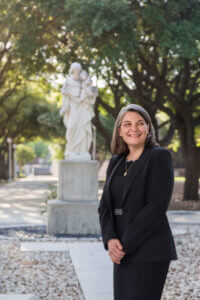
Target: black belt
118 211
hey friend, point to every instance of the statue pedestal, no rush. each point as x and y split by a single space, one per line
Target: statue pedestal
77 156
75 210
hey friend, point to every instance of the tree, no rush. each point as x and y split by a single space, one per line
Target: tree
40 148
146 51
19 109
150 51
25 154
24 125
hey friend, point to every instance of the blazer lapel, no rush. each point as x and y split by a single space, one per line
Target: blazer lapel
107 191
135 169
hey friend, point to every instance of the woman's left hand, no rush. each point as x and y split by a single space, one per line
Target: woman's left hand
115 250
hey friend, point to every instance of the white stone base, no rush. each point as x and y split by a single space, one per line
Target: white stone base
73 217
75 210
77 155
78 180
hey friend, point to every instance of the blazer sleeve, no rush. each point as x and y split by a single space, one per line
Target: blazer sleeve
159 193
104 210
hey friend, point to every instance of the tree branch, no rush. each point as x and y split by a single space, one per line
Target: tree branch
10 116
107 107
185 78
100 127
7 94
159 83
4 69
167 139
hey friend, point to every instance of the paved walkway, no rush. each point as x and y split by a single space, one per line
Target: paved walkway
22 202
184 217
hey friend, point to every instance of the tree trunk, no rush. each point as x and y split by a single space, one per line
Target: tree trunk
192 174
3 168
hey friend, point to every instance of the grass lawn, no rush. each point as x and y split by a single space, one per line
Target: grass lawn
180 179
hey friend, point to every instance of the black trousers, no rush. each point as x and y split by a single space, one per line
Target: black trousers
140 281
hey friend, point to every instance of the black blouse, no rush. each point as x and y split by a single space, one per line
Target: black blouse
119 181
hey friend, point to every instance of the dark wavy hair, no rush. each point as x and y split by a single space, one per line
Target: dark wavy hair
118 146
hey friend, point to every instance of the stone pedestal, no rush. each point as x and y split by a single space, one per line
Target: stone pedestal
75 210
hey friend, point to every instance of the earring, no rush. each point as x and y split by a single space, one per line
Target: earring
148 135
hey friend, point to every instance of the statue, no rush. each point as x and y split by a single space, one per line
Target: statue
78 97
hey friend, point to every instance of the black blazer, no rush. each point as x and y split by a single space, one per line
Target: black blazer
145 232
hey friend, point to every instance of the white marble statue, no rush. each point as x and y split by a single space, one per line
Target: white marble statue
78 97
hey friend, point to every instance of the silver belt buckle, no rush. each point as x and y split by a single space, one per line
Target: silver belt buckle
118 211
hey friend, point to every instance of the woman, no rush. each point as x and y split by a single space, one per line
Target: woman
132 210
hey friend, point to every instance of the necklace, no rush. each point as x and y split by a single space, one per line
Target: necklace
126 169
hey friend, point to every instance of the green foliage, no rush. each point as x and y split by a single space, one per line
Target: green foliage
175 143
25 154
40 148
23 94
108 31
52 121
58 148
102 28
147 52
23 122
174 25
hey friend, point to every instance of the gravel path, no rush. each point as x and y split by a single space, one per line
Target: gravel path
183 281
51 275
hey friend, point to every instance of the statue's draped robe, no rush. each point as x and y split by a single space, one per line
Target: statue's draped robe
77 118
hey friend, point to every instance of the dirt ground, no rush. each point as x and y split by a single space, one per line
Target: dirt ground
178 204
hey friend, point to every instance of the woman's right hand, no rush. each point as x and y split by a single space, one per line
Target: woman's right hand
115 250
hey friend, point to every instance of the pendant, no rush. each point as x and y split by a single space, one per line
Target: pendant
125 173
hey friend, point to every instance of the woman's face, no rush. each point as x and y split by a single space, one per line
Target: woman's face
133 129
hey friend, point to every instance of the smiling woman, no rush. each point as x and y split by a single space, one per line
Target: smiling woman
133 131
132 210
133 126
